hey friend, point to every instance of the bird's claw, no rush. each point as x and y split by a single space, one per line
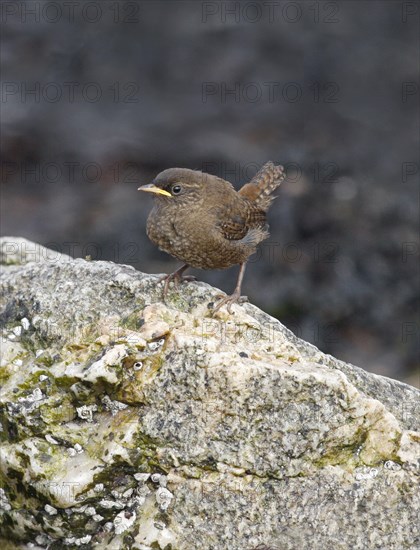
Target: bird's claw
235 298
176 278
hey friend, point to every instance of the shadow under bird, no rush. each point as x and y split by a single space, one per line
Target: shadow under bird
203 221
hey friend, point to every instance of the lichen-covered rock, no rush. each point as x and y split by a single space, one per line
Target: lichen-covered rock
132 423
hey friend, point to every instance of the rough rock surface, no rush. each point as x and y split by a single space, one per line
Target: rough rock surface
132 423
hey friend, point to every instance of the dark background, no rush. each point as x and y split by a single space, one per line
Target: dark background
98 97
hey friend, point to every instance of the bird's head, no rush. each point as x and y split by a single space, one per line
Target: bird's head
177 186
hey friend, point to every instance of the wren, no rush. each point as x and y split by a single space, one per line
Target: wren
203 221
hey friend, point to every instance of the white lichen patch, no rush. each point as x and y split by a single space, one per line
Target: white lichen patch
104 368
132 338
364 473
164 498
85 412
110 504
113 406
25 323
50 510
123 521
391 465
65 485
152 532
141 477
81 541
17 331
4 502
36 395
153 346
159 478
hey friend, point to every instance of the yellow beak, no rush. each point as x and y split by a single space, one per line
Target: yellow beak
150 188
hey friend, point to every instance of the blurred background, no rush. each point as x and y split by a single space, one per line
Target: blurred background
98 97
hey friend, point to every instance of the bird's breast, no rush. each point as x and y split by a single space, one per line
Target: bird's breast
194 238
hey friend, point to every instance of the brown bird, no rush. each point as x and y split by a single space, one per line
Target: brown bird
201 220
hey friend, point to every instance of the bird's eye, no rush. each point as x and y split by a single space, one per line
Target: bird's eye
176 190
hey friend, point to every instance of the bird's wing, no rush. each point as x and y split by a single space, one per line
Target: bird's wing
234 221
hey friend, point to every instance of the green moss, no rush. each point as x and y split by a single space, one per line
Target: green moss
28 385
133 321
62 411
131 390
5 373
9 545
178 300
145 454
346 455
45 361
33 341
114 476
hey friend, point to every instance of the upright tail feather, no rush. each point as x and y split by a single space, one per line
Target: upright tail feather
261 186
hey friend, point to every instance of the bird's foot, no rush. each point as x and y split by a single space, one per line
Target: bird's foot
176 278
234 298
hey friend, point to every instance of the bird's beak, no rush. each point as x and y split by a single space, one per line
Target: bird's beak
150 188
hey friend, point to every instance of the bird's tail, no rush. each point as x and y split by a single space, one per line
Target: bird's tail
260 188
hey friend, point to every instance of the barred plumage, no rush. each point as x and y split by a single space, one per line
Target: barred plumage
259 190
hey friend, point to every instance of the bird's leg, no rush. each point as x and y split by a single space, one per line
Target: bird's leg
177 277
236 296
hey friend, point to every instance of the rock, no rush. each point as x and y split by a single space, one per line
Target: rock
132 423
